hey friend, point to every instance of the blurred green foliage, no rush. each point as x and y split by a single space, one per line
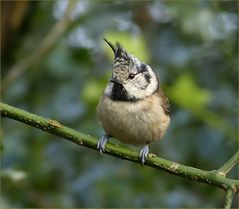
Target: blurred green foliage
92 91
188 94
192 45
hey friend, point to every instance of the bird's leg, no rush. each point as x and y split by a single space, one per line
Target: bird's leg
102 142
143 154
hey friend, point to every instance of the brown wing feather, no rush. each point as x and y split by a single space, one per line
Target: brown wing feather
165 102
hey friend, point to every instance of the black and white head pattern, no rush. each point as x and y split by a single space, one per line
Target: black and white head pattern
131 79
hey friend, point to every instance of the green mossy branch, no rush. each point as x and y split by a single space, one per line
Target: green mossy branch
229 164
214 177
229 198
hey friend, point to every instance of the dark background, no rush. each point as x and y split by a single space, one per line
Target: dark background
193 47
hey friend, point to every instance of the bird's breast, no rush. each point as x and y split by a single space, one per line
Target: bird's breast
135 123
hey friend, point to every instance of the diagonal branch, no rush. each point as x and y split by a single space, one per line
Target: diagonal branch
44 47
229 164
54 127
229 198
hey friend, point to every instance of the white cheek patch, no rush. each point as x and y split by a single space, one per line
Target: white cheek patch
141 82
140 93
153 85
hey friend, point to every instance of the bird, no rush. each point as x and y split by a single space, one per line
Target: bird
133 107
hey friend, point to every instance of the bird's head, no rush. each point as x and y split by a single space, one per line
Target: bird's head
131 79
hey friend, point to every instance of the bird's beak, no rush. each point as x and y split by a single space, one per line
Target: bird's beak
114 80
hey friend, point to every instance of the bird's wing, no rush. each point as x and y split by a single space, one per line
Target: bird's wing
165 102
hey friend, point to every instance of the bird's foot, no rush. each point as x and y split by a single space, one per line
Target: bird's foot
102 142
143 154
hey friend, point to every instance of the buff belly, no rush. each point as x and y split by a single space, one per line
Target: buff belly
136 123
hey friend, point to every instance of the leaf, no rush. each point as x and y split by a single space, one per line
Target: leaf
186 93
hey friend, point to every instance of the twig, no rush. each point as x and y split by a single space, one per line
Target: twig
44 47
229 198
229 164
54 127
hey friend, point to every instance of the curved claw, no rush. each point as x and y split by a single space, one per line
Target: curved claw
143 154
102 142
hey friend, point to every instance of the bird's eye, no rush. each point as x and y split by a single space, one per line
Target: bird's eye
131 76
